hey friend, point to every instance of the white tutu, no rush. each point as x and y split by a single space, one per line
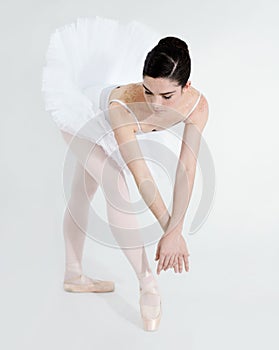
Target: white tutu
84 61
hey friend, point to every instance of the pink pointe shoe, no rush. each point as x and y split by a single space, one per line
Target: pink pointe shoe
151 312
84 284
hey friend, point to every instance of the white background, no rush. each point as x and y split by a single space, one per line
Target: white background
229 299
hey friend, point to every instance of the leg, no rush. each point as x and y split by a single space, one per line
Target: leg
104 171
76 211
97 164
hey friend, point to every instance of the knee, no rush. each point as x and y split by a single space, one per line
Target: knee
116 187
122 187
84 190
91 190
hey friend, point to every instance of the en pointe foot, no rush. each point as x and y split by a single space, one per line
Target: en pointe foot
84 284
150 303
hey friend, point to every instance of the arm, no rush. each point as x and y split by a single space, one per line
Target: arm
186 168
123 124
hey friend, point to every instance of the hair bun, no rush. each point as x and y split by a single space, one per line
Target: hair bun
171 41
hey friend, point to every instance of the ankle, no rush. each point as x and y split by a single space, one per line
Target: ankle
72 275
144 274
72 271
148 281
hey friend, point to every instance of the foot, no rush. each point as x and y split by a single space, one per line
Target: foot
86 284
150 302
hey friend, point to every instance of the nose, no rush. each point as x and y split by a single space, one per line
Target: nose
157 101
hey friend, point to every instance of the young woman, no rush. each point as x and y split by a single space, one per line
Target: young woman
163 98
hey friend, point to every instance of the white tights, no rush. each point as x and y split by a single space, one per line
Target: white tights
88 176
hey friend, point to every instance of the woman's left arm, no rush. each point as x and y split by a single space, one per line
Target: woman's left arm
186 167
184 180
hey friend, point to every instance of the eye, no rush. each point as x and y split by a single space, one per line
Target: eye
165 97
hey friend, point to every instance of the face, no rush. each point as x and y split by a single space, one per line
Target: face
162 92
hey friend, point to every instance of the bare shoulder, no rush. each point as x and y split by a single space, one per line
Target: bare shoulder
128 93
121 120
199 116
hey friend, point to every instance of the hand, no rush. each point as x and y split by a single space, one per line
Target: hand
172 252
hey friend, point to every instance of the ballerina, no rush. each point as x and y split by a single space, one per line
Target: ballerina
165 87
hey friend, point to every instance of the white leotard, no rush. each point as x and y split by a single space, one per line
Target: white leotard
138 124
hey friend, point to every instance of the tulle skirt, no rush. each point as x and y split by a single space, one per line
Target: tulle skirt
85 60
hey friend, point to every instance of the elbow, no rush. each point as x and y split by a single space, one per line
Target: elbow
148 190
143 179
185 173
140 175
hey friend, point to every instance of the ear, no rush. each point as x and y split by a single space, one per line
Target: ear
186 86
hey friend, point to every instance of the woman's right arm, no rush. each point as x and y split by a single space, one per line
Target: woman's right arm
123 126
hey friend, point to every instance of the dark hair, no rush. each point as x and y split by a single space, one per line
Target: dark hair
169 59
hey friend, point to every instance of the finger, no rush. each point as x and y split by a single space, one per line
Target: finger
180 264
172 259
186 262
175 265
166 262
157 253
156 256
160 264
175 261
